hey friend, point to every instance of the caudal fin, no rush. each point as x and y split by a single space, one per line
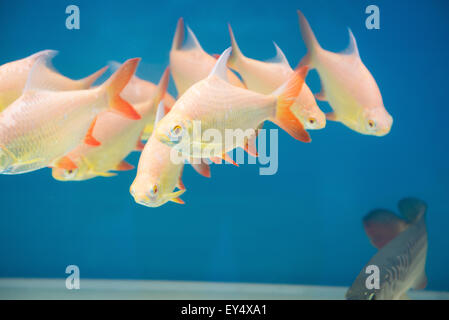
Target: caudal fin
116 83
89 81
287 95
236 55
309 39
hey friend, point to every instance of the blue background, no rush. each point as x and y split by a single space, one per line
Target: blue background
300 226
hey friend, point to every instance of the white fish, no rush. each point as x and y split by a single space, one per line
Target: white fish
347 85
42 126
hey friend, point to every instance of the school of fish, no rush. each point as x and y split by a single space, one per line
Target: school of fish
82 131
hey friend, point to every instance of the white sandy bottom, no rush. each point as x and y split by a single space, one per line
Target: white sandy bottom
132 289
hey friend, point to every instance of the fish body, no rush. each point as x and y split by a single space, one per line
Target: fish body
42 126
401 259
189 63
221 106
118 136
265 77
14 75
347 85
159 173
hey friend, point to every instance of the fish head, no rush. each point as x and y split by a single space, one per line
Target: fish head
152 192
81 172
311 116
174 131
307 110
376 122
6 160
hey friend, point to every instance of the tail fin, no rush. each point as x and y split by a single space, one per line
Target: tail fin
116 83
287 95
178 39
309 39
236 54
89 81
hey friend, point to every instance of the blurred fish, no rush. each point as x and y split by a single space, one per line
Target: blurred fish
42 125
139 91
189 63
13 77
347 85
118 136
401 259
158 175
219 105
265 77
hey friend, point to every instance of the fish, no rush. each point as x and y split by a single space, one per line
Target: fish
14 75
401 259
139 91
189 63
118 136
158 175
42 126
347 85
216 104
266 76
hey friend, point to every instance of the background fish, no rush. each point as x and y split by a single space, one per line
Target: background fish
139 91
220 105
42 126
401 259
118 136
189 63
14 75
347 85
158 176
265 77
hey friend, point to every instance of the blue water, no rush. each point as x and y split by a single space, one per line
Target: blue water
300 226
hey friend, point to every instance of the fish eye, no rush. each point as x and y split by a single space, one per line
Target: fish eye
371 124
312 120
70 174
154 190
176 130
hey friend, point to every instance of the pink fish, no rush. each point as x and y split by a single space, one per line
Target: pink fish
189 63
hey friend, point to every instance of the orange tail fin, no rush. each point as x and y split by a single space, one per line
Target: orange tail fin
287 95
116 83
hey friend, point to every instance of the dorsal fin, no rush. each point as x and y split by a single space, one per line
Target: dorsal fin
178 39
160 113
382 226
114 65
280 57
352 49
412 209
36 79
191 42
220 69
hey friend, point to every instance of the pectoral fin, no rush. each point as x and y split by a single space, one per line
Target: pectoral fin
174 196
331 116
124 166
